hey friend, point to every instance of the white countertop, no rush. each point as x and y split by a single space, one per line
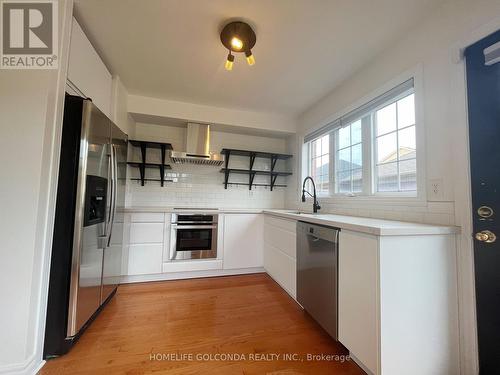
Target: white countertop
203 210
376 227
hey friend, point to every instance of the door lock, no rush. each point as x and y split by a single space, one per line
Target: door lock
485 212
486 236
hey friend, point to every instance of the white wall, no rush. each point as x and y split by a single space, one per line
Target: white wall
201 186
434 46
147 106
30 117
429 46
119 108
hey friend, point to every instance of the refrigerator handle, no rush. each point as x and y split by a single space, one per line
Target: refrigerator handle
111 195
114 177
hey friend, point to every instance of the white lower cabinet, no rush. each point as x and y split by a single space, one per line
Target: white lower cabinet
358 263
145 259
243 241
146 244
398 303
280 260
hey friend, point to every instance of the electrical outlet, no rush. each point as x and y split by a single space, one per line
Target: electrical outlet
435 189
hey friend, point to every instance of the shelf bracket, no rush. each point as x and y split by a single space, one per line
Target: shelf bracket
273 180
228 154
226 173
226 178
142 167
274 159
252 159
142 171
162 165
250 180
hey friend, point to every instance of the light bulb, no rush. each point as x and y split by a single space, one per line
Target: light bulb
229 62
236 43
250 58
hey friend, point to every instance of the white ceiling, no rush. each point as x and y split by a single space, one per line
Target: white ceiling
171 48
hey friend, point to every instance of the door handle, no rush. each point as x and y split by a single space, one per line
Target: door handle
486 236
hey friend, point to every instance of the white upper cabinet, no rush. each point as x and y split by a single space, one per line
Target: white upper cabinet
87 74
243 240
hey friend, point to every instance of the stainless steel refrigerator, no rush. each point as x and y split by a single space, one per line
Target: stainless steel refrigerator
88 227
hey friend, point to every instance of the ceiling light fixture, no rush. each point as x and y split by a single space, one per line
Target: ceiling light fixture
238 37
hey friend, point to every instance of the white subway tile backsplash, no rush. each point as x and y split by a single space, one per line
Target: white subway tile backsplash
441 213
202 187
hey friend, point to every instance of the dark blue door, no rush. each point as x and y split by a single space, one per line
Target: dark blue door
483 90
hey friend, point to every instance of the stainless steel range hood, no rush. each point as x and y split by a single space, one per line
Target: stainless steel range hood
197 148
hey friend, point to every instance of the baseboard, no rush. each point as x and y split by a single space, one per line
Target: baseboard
29 367
189 275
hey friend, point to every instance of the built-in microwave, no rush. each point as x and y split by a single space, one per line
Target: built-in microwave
193 236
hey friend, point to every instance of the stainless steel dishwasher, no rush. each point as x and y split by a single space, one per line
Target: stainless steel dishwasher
317 273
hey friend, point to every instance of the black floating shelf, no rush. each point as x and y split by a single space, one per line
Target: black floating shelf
144 145
148 165
259 173
259 154
247 184
273 175
149 179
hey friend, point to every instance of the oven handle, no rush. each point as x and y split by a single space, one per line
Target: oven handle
177 226
193 222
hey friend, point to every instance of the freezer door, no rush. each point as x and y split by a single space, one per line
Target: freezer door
113 253
90 218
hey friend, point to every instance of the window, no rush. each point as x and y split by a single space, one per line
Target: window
319 166
395 146
349 159
370 151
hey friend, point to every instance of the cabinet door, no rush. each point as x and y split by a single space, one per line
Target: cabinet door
145 259
282 268
358 296
86 71
146 243
280 239
243 240
146 233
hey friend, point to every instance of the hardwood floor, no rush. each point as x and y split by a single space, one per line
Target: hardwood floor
248 315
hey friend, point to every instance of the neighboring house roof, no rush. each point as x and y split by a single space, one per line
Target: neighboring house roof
404 152
390 168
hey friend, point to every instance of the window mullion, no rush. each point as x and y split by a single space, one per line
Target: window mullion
366 146
332 158
397 147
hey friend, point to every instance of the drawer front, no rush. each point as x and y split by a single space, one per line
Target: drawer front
285 224
281 239
146 233
281 268
145 259
147 217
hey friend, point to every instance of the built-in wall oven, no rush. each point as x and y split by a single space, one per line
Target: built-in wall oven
193 236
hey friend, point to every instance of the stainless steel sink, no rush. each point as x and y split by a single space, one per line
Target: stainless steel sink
296 212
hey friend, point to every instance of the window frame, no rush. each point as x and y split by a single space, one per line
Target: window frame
409 193
308 162
369 193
